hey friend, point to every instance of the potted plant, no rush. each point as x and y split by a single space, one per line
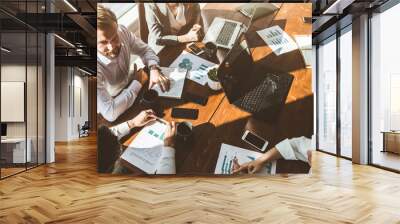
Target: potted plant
212 79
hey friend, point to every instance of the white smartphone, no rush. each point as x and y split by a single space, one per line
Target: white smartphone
255 140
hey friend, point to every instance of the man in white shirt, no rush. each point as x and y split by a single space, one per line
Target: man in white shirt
109 148
117 82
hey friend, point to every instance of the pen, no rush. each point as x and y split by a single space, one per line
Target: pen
161 120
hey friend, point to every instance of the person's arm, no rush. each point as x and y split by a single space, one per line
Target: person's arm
111 108
256 165
140 48
120 130
156 36
198 19
143 118
149 58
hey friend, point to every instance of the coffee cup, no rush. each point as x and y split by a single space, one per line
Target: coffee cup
150 100
210 49
184 132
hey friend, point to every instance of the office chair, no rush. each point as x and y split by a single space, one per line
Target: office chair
143 29
84 130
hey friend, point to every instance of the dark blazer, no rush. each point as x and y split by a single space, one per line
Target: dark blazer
157 18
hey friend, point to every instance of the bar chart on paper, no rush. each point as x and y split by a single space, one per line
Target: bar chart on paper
145 150
277 39
156 134
228 153
196 66
227 164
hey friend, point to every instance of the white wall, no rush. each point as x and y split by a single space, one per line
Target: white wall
61 104
14 73
69 82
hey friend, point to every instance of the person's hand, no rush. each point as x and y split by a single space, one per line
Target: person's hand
249 167
193 34
141 76
196 27
142 119
157 78
169 136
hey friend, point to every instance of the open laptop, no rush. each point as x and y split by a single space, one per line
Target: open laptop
257 10
223 32
251 88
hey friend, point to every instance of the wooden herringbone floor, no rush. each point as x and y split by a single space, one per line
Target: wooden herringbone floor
70 191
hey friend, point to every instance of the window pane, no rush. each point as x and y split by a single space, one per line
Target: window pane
15 150
385 88
41 99
346 94
31 97
327 96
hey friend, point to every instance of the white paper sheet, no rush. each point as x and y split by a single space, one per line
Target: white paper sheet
177 81
305 45
144 152
278 40
304 41
228 152
196 66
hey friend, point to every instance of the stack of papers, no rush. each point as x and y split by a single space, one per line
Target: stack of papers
227 154
145 150
305 45
196 67
177 81
278 40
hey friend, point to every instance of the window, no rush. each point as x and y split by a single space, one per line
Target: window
346 92
22 61
327 95
385 88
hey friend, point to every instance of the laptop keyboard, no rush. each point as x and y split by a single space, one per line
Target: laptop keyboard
226 33
270 91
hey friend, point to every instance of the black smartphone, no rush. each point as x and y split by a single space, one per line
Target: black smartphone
196 98
185 113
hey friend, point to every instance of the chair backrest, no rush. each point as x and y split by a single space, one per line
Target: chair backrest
143 29
108 150
85 126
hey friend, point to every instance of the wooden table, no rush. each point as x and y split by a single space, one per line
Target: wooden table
221 122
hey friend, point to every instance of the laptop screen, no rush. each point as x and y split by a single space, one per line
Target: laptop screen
237 63
248 85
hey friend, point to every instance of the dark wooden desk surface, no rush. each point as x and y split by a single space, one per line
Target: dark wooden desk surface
221 122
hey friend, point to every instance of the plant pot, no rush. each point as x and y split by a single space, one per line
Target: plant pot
212 79
214 85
